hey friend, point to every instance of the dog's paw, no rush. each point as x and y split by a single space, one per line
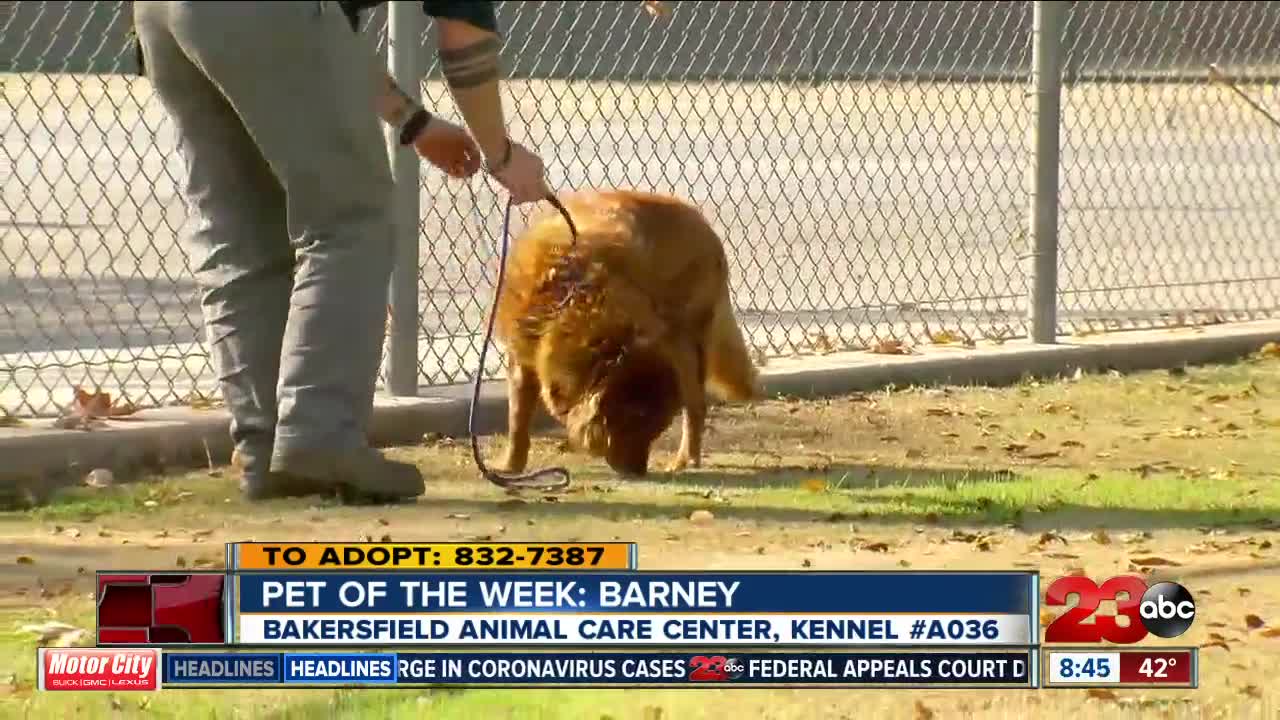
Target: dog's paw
511 466
683 462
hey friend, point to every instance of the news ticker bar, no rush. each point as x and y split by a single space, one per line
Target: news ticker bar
570 609
443 556
152 669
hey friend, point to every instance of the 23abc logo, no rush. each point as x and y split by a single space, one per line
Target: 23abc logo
1165 609
714 668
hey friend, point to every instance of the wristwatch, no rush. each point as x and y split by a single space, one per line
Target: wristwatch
414 125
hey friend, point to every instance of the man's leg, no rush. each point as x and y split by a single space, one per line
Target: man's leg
240 239
304 86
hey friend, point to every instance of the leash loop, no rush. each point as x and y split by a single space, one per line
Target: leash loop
547 479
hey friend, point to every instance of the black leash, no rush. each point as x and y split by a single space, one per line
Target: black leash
547 479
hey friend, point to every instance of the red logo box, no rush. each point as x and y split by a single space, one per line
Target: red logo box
161 608
99 669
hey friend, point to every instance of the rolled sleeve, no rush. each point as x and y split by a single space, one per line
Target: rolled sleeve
479 13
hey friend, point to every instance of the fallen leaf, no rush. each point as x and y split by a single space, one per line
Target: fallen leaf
701 517
1271 632
923 712
1101 694
1270 350
806 562
55 634
1252 691
1035 435
1217 399
1062 556
457 516
26 560
876 547
1154 561
656 8
1042 454
1101 537
652 712
815 485
1216 643
1053 408
1048 537
1013 447
1072 444
1253 622
890 347
941 412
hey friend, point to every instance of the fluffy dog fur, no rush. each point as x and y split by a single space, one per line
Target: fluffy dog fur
621 333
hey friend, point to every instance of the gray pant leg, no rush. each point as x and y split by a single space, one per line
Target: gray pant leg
304 86
240 237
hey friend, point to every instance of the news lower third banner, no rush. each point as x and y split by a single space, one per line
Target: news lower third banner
973 668
483 557
828 609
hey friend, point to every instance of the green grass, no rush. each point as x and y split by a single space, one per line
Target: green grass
1168 452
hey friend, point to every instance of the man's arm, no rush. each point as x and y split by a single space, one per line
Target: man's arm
469 61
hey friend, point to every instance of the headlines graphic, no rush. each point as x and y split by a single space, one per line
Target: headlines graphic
584 615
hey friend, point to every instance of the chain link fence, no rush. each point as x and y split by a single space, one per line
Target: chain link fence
866 162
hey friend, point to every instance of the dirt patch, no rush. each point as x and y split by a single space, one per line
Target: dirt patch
1167 475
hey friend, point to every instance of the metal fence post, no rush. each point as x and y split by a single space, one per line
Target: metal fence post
405 23
1046 47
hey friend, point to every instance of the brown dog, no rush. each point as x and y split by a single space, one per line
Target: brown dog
621 332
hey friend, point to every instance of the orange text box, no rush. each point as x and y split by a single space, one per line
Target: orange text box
434 556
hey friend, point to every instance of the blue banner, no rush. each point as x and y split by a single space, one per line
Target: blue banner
221 668
640 592
340 668
615 669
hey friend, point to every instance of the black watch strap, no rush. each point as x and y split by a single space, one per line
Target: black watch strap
414 125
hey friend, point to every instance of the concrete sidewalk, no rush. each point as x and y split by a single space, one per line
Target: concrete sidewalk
39 457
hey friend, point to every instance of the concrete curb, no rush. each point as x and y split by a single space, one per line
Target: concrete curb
39 457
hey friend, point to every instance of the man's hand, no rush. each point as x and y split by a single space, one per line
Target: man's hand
522 174
448 147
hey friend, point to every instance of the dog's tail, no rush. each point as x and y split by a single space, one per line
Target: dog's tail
731 376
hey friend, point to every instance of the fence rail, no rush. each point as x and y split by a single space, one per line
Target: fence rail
878 170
